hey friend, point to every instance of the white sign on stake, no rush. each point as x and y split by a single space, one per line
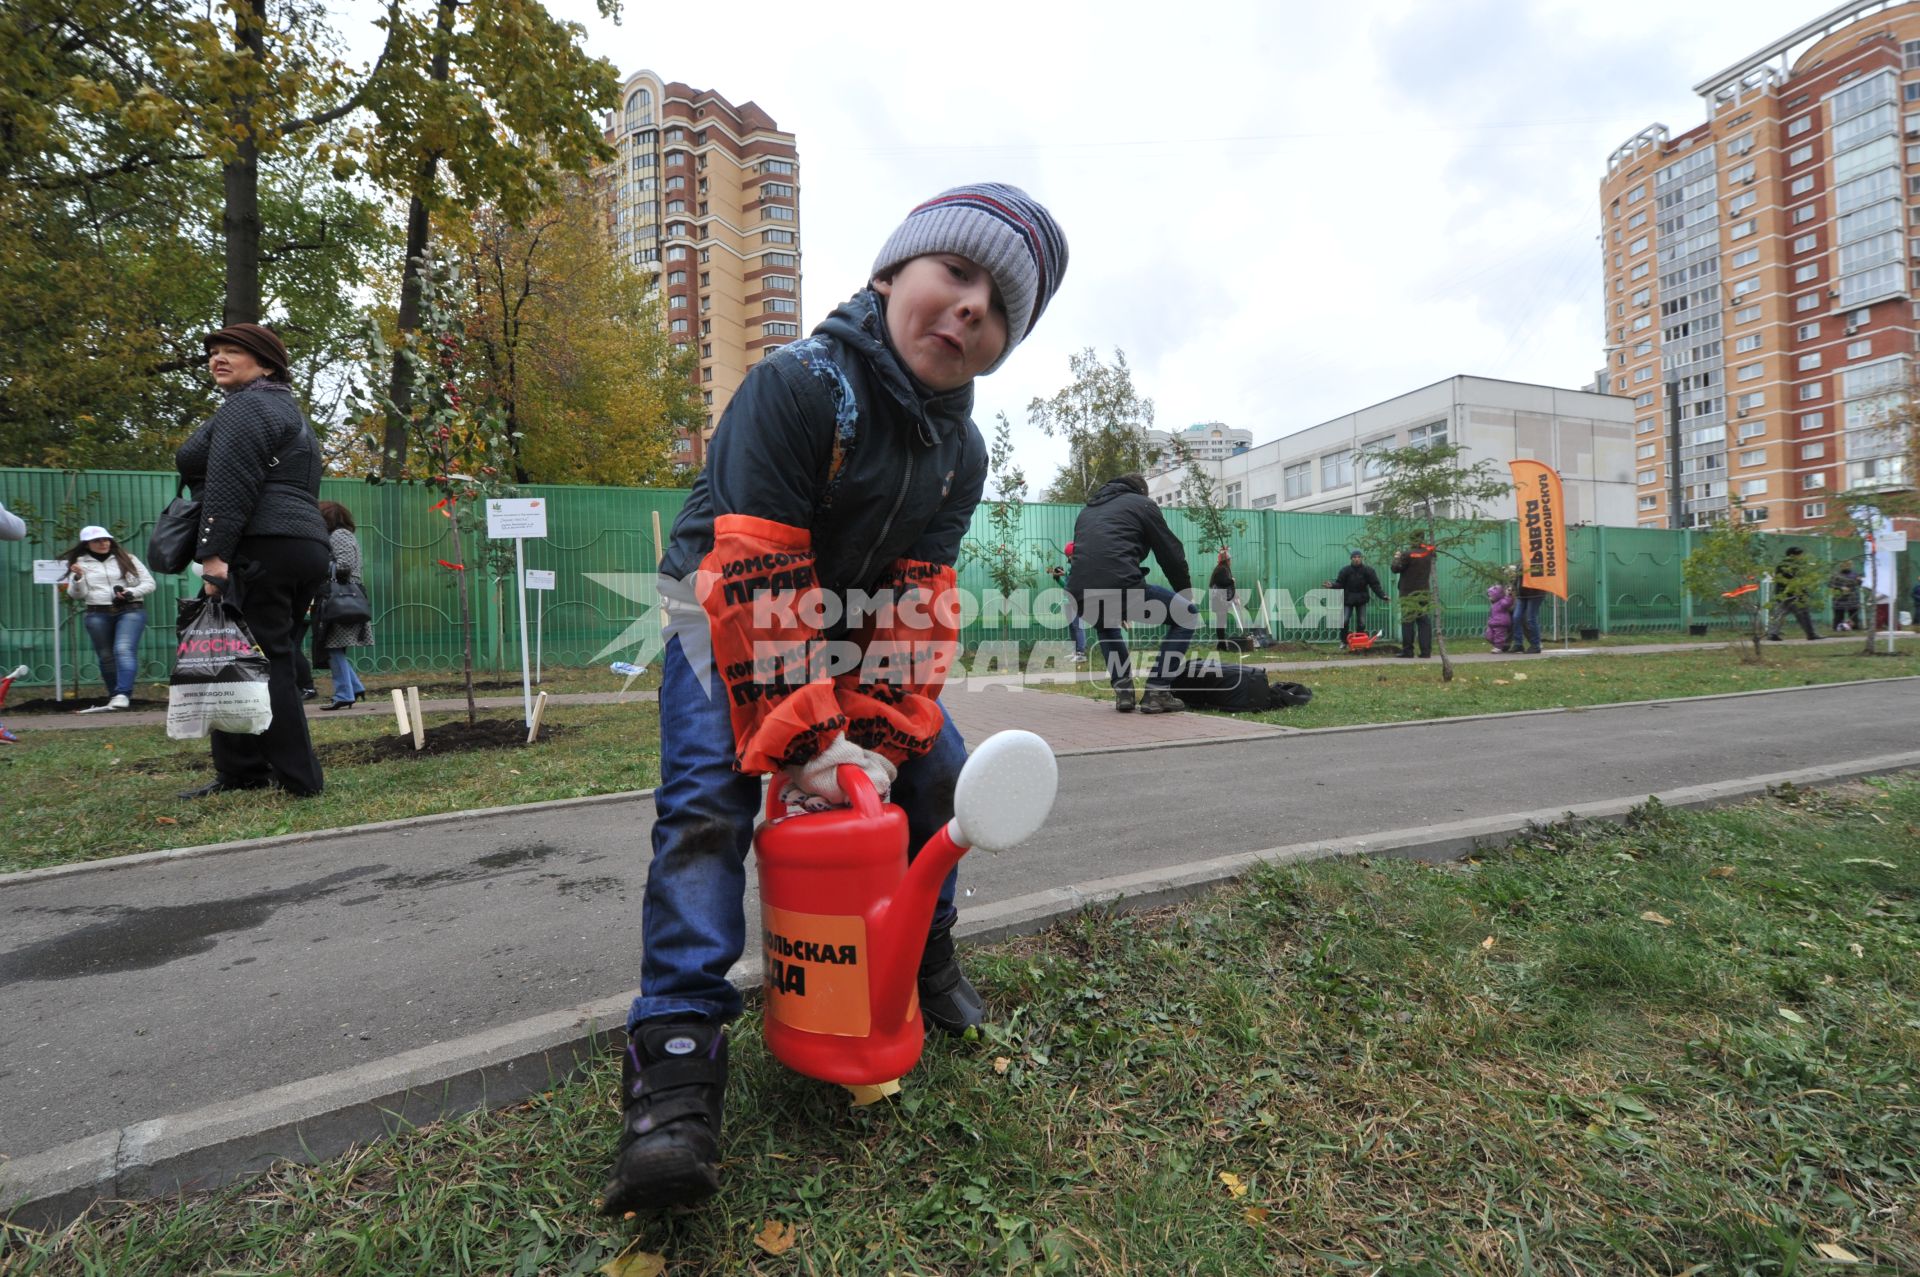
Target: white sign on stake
517 517
49 571
539 580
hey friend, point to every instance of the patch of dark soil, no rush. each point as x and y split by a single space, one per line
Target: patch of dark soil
457 737
47 705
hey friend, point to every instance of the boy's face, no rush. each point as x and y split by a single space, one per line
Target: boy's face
944 319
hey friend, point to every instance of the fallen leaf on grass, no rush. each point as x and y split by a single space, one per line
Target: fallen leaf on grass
1499 682
1789 1014
1487 943
1837 1253
1001 1064
1720 871
1807 944
635 1263
1519 678
1233 1183
1856 951
165 820
1256 1214
1651 916
776 1238
1866 860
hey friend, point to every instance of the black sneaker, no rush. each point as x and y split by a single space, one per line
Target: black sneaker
673 1082
1123 699
948 1000
1159 700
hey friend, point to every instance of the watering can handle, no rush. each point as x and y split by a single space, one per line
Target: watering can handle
853 783
858 788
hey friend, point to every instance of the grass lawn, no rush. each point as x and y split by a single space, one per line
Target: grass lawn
1411 690
1689 1045
83 795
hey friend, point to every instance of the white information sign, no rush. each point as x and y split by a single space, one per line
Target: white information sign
538 580
1890 542
516 518
49 571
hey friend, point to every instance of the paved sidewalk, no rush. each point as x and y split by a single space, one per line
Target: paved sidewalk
380 704
134 992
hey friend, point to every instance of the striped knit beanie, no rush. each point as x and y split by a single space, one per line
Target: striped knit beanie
1003 229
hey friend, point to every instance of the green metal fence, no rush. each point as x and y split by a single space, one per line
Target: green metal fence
601 544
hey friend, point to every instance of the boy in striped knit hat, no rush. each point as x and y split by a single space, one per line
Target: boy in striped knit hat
844 472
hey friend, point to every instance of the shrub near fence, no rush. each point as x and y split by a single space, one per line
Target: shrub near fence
601 546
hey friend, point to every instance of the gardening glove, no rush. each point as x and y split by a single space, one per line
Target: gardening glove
815 784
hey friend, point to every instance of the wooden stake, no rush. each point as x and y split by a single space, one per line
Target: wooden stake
656 536
539 709
419 723
400 711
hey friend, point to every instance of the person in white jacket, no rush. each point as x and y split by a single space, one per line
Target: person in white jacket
12 526
114 585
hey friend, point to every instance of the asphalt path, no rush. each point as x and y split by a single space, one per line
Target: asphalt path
170 985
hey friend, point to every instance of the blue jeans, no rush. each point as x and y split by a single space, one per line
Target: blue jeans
1113 639
693 919
1078 628
116 641
1526 623
347 686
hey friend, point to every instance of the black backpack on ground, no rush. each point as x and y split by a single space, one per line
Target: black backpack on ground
1236 689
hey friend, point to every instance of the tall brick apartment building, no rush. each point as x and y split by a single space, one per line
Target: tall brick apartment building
1762 297
706 194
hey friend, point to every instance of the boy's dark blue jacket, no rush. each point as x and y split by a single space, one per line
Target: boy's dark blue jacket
834 469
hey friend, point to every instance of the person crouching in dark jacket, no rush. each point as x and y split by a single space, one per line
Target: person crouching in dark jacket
1112 538
1355 582
1222 595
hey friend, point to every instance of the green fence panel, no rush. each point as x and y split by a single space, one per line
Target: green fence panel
601 546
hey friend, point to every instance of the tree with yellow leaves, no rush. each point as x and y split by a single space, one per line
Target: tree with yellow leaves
570 340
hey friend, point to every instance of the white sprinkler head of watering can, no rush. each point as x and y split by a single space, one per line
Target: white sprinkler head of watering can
1005 791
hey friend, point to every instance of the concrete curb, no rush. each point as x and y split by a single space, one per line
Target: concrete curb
320 1117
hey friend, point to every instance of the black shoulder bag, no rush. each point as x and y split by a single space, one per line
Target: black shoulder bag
170 548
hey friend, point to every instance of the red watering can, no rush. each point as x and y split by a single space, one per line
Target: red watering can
844 917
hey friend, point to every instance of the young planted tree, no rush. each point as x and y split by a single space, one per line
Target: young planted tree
1104 421
1427 497
1729 569
457 445
1000 551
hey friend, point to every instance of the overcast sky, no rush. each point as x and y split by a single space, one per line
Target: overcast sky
1280 212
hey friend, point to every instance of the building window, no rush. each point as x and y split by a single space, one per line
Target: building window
1746 314
1434 432
1643 374
1806 362
1809 451
1799 155
1809 302
1802 214
1643 400
1804 274
1745 257
1645 452
780 306
776 237
1754 457
1813 390
676 206
776 191
677 302
1650 501
1806 332
676 183
1336 469
706 374
1859 349
1298 480
639 109
1813 420
1751 400
678 253
1645 426
780 330
776 213
1814 510
785 260
1637 194
1647 476
1800 185
1813 482
1754 514
1639 272
780 283
678 326
1751 341
1638 245
1753 487
1751 372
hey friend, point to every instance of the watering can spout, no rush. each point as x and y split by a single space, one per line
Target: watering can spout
898 925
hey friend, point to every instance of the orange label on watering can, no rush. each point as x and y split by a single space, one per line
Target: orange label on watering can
816 971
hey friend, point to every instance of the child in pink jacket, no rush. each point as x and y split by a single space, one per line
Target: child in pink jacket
1499 616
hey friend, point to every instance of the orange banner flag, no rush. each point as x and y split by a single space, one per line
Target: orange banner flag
1543 526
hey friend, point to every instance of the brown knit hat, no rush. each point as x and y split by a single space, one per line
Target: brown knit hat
258 340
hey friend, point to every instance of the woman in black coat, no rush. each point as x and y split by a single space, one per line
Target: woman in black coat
255 467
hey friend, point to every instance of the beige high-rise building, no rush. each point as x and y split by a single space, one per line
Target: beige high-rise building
707 195
1761 287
